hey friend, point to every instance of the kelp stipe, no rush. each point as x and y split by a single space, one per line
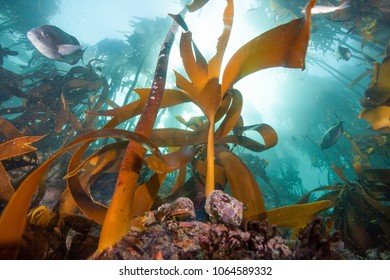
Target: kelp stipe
119 213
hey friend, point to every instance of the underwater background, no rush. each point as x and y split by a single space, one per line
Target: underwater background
307 135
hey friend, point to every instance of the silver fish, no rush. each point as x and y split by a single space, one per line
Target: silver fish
332 135
327 9
56 44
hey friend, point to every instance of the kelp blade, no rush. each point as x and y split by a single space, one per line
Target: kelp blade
284 45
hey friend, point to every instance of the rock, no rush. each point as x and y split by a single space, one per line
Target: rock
181 209
225 209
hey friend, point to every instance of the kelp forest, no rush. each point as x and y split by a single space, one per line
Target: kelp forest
99 161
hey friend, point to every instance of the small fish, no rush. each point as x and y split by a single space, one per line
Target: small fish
56 44
316 10
343 53
4 52
332 135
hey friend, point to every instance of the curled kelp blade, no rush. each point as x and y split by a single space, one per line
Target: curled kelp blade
6 188
174 137
232 115
171 97
8 129
284 45
379 90
79 191
378 117
332 135
376 175
98 156
172 161
200 167
242 182
305 199
268 134
12 220
340 172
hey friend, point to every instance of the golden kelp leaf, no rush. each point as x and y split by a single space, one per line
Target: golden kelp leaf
173 161
173 137
354 228
304 199
223 107
63 115
378 205
75 122
6 189
232 115
194 71
196 5
193 123
146 194
133 106
79 189
208 99
13 218
171 97
284 45
180 180
340 172
378 117
184 84
267 133
80 192
242 183
220 177
200 59
215 62
18 146
379 89
66 203
98 156
296 216
376 175
8 129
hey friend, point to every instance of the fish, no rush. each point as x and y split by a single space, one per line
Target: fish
316 10
4 52
56 44
332 135
343 53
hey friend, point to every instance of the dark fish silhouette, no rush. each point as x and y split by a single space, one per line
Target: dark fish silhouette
56 44
4 52
332 135
343 53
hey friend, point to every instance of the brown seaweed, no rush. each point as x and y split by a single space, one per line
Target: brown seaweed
205 149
